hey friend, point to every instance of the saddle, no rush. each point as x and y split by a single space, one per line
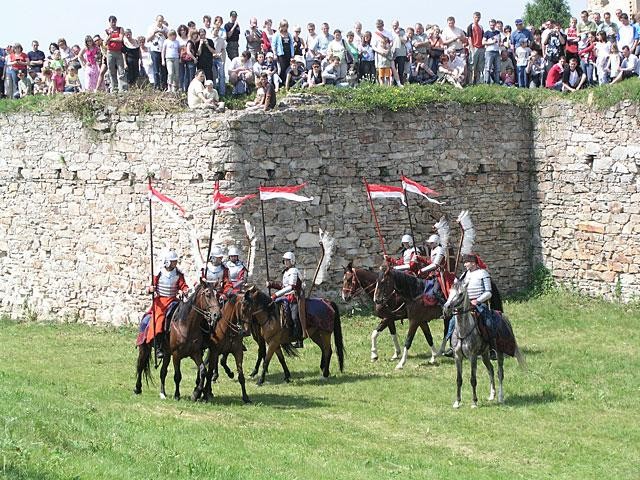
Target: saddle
505 339
169 315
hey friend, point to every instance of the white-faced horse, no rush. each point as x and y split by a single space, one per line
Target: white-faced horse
468 342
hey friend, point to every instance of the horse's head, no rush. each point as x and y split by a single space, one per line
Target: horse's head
255 302
458 298
384 285
208 303
350 283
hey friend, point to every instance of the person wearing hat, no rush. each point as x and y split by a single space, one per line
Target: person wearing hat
408 255
233 35
237 270
520 33
168 287
288 291
216 273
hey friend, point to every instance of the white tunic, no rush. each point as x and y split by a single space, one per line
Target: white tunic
289 281
168 283
479 285
215 273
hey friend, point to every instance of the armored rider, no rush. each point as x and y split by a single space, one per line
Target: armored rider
168 285
289 289
408 255
237 270
217 273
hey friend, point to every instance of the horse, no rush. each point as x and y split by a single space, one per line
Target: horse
358 281
226 338
468 342
188 335
260 308
410 289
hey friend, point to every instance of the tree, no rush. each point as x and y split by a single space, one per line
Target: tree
539 11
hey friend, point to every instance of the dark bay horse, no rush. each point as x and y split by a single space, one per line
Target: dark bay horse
410 289
226 338
259 307
188 336
468 342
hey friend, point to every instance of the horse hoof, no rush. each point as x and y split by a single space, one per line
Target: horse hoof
253 374
474 405
176 397
246 401
491 397
287 379
395 356
399 366
456 404
163 396
137 391
324 379
501 400
432 361
374 357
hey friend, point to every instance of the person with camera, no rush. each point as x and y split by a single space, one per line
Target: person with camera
156 35
253 36
553 46
241 69
204 53
232 29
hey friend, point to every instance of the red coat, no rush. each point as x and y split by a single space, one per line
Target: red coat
160 306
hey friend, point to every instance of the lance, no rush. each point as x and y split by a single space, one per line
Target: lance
213 221
315 275
264 237
406 204
375 217
153 303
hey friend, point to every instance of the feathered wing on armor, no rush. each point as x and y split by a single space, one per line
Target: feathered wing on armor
251 237
464 219
444 232
328 245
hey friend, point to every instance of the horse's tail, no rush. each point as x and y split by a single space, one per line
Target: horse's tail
337 336
496 299
289 350
144 362
517 353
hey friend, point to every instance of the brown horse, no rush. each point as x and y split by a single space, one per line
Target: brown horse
259 308
226 339
188 336
410 289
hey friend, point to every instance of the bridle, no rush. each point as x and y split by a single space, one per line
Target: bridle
207 314
460 310
356 285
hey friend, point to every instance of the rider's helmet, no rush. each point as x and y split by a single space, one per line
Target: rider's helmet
170 256
434 239
407 239
233 252
289 256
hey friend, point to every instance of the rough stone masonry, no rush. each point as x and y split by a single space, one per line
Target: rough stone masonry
557 185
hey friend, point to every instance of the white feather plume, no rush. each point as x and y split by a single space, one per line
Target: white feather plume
464 219
444 231
251 237
328 244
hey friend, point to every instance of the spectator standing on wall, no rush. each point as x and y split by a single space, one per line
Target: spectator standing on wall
311 41
282 46
18 62
156 36
491 41
189 58
267 35
205 51
170 59
523 53
627 34
571 47
115 59
337 49
636 26
183 39
367 67
36 57
131 52
587 54
519 34
400 52
614 62
298 43
324 38
253 36
219 58
585 25
232 29
3 64
475 33
89 59
453 36
535 69
553 46
608 27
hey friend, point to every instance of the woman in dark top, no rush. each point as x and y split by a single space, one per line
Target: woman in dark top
189 58
131 52
205 51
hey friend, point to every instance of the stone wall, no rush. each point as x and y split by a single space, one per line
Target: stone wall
74 239
586 197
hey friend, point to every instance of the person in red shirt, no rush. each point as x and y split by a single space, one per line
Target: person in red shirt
18 62
554 77
475 32
115 59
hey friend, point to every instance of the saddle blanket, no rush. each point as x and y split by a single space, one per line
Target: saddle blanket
320 314
146 321
494 322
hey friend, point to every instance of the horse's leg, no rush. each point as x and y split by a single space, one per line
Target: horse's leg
238 356
285 368
374 338
177 376
326 353
492 382
424 325
163 375
142 365
394 337
458 355
267 358
474 380
223 362
206 370
500 376
262 351
413 326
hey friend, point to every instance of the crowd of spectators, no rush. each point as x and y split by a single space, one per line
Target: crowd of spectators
589 51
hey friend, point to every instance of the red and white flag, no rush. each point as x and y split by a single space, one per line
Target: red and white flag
156 196
377 190
286 193
414 187
222 202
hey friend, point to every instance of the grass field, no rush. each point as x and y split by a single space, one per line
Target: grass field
67 408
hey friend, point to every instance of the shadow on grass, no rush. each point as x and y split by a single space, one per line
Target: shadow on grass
529 351
533 398
284 401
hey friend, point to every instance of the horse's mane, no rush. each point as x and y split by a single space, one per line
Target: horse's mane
407 285
366 274
183 309
264 301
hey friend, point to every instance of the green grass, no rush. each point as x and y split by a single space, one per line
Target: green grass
67 410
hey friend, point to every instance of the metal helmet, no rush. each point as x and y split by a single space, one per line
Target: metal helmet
434 239
216 252
233 251
289 256
170 256
407 239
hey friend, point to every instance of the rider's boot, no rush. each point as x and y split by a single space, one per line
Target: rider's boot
159 341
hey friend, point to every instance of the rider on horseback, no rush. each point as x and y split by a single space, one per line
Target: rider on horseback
237 270
169 285
217 273
408 256
479 291
289 289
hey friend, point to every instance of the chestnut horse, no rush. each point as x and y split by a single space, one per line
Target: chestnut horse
187 337
261 309
410 289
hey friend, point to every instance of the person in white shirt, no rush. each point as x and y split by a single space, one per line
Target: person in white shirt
171 60
156 35
629 66
453 36
627 34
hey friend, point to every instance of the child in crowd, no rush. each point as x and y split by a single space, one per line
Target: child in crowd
25 85
56 61
383 61
211 94
535 69
523 53
58 81
508 77
72 81
271 67
171 59
39 88
613 63
47 81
